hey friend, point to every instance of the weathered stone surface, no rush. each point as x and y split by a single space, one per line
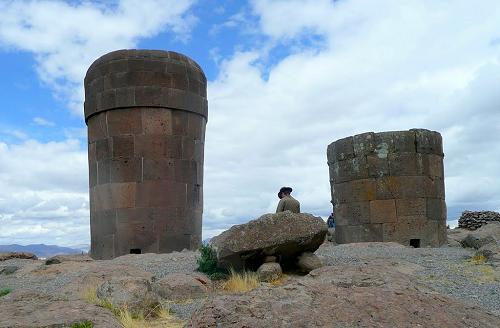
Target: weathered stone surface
341 150
183 286
342 296
428 142
411 206
393 180
352 213
358 233
8 269
487 234
490 251
308 261
68 258
29 309
146 113
133 293
17 255
330 236
284 234
269 271
383 211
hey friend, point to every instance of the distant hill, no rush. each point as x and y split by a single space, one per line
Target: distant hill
42 250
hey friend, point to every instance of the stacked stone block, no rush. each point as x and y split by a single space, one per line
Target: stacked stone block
471 220
146 113
389 186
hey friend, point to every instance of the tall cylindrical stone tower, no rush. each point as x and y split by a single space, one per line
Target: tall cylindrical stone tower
146 112
389 186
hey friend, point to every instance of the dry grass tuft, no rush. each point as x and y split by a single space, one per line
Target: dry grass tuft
479 259
157 317
279 281
241 282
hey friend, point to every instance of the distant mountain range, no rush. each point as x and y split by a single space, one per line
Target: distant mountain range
42 250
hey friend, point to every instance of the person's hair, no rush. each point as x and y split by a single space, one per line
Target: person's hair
286 190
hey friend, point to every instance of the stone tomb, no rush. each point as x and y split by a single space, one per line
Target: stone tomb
389 186
146 113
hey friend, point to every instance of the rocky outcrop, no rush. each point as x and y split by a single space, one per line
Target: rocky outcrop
132 293
68 258
343 296
30 309
8 269
285 235
307 262
486 240
474 220
183 286
17 255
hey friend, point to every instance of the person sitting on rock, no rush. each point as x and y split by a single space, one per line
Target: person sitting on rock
287 202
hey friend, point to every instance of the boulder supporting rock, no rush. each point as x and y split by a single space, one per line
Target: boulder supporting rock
270 259
285 235
269 271
307 262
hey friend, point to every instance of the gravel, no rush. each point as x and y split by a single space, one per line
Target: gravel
447 270
160 264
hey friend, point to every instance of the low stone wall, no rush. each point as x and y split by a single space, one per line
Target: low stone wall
474 220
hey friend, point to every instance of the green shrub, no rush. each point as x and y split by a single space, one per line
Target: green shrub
207 263
4 291
83 324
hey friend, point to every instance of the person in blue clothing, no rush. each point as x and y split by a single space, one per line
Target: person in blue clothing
331 221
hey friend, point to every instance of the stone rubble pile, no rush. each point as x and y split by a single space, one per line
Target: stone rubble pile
471 220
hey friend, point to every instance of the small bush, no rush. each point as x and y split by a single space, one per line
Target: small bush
241 282
83 324
207 263
4 291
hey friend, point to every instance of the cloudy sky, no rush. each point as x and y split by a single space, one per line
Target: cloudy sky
286 78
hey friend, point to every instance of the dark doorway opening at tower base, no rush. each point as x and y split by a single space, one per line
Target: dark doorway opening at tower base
415 243
135 251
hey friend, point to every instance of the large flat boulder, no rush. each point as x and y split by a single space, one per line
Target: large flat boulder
342 296
33 309
285 235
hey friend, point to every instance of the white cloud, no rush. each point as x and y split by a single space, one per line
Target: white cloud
66 38
379 66
44 193
348 67
43 122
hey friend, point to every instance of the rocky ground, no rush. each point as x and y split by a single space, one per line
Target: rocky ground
362 285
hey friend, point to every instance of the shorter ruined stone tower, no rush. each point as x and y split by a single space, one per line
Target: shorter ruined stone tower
389 186
146 113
